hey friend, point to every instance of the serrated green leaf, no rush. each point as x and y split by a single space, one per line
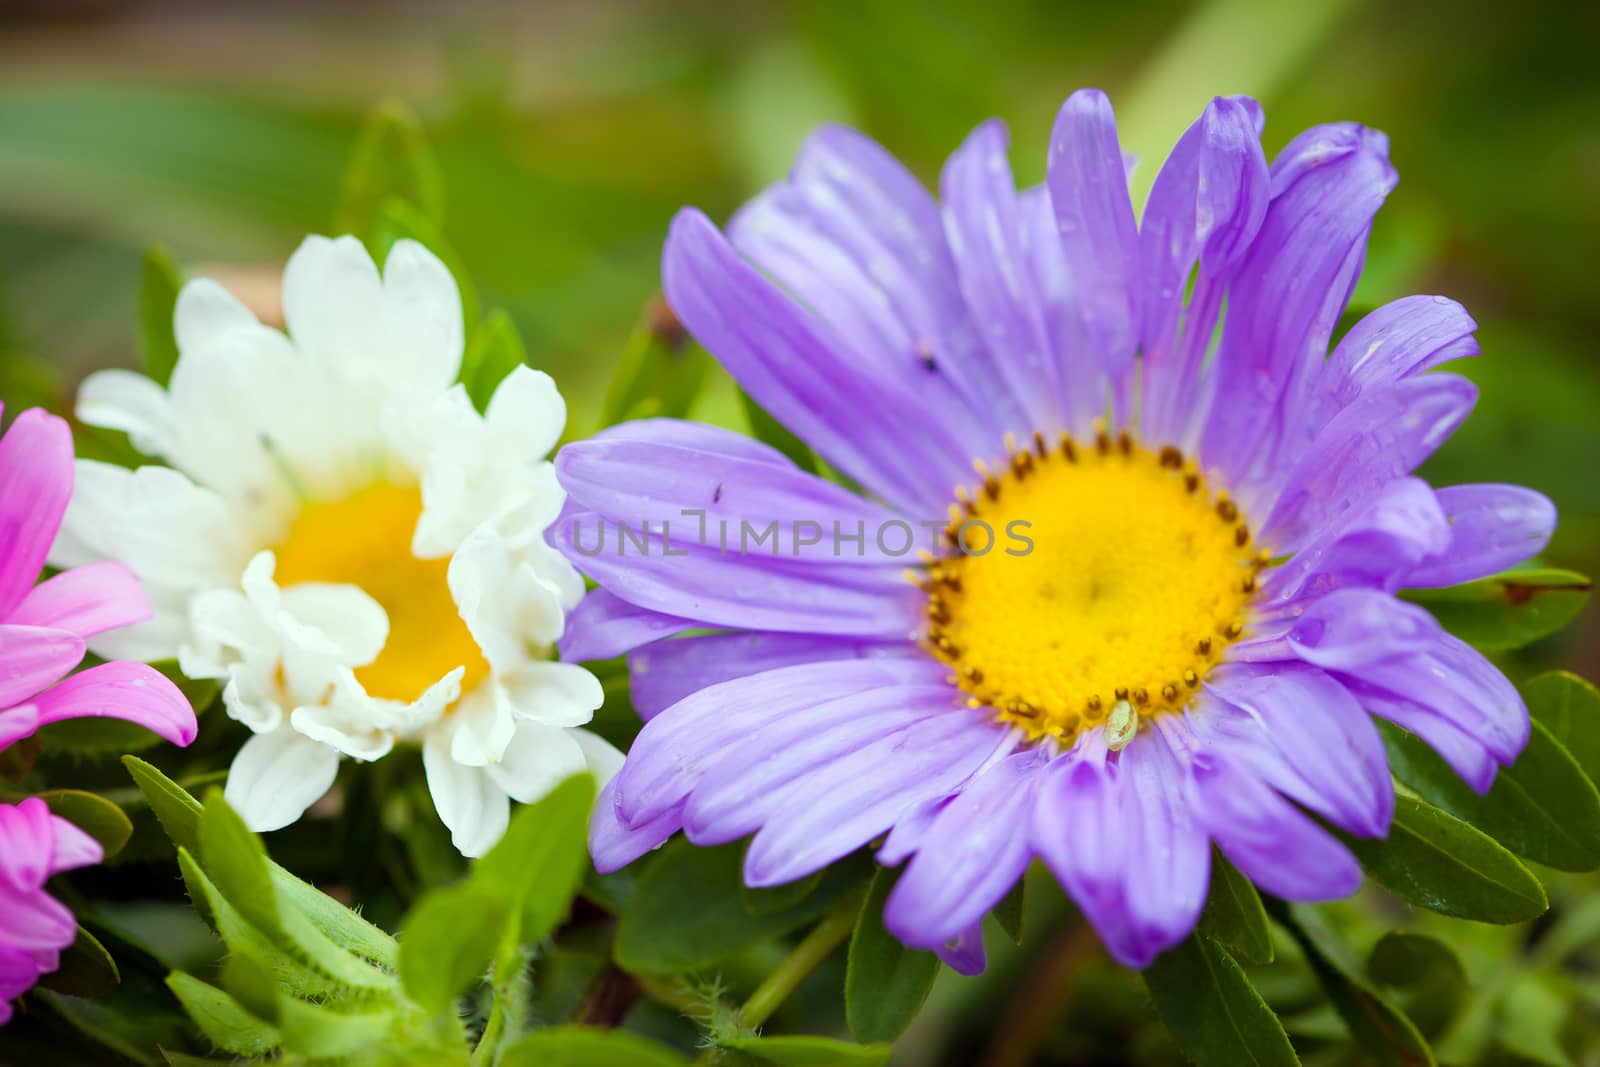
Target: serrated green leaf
1569 708
1216 1015
885 983
660 374
1438 862
1378 1026
441 955
391 160
1425 975
1509 610
93 814
179 815
496 349
686 911
810 1051
249 977
768 430
325 1034
537 866
239 936
581 1046
1234 915
234 859
223 1019
86 969
1543 806
159 284
177 811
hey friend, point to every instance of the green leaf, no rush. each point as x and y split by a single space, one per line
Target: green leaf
1213 1011
1424 973
401 220
325 1034
236 862
1234 915
1569 708
442 954
93 814
495 351
86 969
582 1046
391 160
537 866
1533 1014
778 897
686 910
660 374
768 430
223 1019
159 283
1509 610
1543 806
811 1051
1438 862
885 983
1379 1027
1009 912
178 812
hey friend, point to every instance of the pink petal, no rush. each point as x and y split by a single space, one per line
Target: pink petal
35 485
134 692
73 848
26 841
86 601
32 657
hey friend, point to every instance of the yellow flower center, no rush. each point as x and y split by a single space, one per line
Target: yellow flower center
1136 579
365 540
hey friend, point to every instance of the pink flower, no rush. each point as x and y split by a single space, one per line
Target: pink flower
34 926
43 628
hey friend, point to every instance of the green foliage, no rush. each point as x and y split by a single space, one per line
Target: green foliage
392 160
1569 708
660 373
87 969
885 983
159 283
93 814
687 913
809 1052
1234 916
578 1046
1436 861
495 351
441 955
1216 1015
1510 610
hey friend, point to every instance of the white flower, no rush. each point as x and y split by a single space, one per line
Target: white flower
346 543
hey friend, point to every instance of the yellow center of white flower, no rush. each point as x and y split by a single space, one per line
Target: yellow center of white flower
365 540
1137 578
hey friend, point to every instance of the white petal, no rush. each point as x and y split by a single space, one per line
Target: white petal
122 400
556 694
481 727
206 315
527 410
537 760
468 801
355 623
363 741
277 776
602 756
422 308
333 305
503 602
250 696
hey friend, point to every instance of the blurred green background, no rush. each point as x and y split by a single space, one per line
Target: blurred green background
568 134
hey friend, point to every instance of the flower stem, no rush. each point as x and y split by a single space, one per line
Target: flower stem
811 951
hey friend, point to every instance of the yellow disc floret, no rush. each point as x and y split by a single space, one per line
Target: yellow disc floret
1087 581
365 540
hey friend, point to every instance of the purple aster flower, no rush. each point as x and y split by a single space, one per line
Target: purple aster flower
43 628
1161 608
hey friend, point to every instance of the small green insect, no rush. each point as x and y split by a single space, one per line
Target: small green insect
1121 725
